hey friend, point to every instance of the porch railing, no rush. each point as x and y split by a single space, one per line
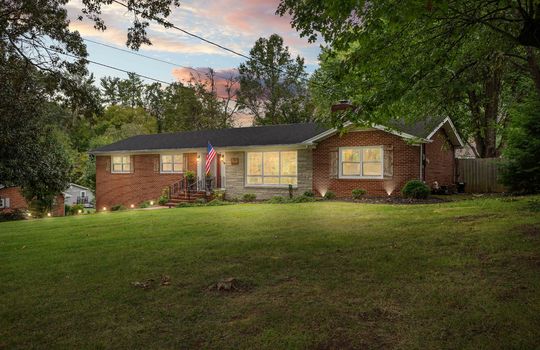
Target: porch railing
82 200
206 184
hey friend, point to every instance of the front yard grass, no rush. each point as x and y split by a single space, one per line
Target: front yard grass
326 275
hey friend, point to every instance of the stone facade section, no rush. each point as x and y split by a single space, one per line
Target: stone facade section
145 182
236 182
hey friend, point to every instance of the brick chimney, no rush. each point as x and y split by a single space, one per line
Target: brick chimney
342 105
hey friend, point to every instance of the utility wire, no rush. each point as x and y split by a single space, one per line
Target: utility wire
168 24
151 58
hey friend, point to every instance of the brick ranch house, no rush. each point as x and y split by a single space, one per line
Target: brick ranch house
264 160
11 199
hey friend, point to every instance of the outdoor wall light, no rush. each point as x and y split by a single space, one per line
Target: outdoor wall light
223 158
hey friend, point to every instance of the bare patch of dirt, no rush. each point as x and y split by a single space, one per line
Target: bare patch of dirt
230 285
143 284
472 218
395 200
529 230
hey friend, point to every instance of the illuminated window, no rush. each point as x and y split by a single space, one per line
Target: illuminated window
121 164
361 162
272 168
172 163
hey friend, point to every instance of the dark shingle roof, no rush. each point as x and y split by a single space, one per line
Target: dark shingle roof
251 136
421 128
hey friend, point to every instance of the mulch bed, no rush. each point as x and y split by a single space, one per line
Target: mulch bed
395 200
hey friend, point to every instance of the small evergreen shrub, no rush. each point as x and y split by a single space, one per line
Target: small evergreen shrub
309 194
118 207
302 199
13 215
276 200
163 200
67 209
144 204
415 189
329 195
200 201
249 197
219 194
190 176
75 209
358 193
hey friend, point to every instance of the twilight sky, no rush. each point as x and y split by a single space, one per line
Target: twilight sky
231 23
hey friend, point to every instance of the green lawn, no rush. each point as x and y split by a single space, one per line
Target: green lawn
325 275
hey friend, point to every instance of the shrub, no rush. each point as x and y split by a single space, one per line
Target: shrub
67 209
219 194
309 194
276 200
16 214
302 199
290 191
144 204
163 200
249 197
200 201
190 176
185 205
357 193
217 202
329 195
118 207
415 189
520 169
75 209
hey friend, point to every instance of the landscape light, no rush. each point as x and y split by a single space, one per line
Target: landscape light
49 214
151 202
104 208
79 211
29 214
132 206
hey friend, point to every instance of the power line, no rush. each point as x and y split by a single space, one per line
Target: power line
150 57
169 24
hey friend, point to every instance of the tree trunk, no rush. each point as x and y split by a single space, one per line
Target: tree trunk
532 63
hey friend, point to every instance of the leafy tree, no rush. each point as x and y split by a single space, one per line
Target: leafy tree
272 84
521 165
414 62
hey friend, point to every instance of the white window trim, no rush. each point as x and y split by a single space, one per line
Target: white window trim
262 170
340 163
161 171
122 171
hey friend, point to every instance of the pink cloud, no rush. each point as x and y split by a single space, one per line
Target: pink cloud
223 78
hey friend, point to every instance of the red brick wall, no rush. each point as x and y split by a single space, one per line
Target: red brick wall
440 160
406 161
144 183
17 201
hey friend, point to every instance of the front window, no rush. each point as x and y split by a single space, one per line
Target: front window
172 163
121 164
361 162
273 168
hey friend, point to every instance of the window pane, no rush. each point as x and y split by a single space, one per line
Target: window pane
166 167
178 158
372 169
351 155
117 160
178 167
254 163
271 163
372 154
288 180
350 169
254 180
126 159
117 167
271 180
288 163
166 159
126 167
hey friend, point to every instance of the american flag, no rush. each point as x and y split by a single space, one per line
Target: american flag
210 157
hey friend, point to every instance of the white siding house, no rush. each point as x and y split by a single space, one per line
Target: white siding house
77 194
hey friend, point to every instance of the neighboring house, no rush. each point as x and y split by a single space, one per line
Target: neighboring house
77 194
264 160
12 199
